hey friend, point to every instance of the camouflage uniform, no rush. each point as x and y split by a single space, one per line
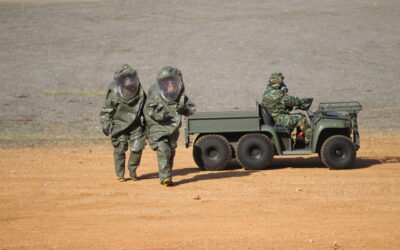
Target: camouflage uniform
163 113
122 117
279 105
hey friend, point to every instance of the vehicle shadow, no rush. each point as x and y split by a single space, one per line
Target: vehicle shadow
233 164
226 173
315 162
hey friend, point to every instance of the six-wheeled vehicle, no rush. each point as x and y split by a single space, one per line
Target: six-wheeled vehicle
253 137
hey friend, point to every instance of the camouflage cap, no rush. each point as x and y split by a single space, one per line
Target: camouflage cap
168 71
125 70
275 80
278 74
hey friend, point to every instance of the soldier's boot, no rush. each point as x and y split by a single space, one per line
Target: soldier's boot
164 162
167 182
133 164
119 161
303 124
307 135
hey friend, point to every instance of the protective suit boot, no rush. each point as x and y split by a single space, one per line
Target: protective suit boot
167 182
121 180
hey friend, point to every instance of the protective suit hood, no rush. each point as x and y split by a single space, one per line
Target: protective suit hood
170 82
127 82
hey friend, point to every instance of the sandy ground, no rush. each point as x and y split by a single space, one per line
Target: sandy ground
67 197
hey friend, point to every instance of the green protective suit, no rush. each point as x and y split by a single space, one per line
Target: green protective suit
123 118
279 105
163 120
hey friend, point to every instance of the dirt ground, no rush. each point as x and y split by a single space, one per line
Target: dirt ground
67 197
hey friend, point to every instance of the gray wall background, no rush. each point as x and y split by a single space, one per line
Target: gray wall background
57 57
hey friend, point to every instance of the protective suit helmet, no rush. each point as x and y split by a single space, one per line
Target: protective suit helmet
127 82
169 80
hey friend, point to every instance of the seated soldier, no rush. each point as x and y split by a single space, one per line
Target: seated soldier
279 104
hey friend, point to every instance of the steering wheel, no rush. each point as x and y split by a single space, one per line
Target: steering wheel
305 106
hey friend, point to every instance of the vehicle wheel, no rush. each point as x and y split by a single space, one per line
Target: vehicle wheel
338 152
255 151
212 152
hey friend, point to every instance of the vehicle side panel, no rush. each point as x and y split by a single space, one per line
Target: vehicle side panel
223 122
325 124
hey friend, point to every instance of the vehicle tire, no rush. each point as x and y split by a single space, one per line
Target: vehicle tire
255 151
338 152
212 152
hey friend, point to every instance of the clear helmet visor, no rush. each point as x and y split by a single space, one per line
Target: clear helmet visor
171 88
128 86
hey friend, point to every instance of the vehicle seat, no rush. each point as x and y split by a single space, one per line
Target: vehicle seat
268 120
266 116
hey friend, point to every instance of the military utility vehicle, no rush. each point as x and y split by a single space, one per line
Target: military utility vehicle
253 137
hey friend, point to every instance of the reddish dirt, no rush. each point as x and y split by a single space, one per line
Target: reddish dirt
69 198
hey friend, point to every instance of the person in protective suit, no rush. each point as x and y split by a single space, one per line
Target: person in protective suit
122 118
279 104
163 112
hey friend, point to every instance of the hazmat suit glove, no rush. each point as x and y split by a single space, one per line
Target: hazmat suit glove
181 103
106 131
182 111
167 117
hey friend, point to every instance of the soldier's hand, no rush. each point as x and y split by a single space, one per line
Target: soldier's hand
106 131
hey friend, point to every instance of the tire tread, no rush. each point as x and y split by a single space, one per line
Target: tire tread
325 157
270 154
197 158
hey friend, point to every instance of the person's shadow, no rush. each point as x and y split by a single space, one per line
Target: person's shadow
177 172
229 172
206 175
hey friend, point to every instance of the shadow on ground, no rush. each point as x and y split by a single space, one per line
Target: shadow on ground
233 164
278 163
214 175
227 173
315 162
177 172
